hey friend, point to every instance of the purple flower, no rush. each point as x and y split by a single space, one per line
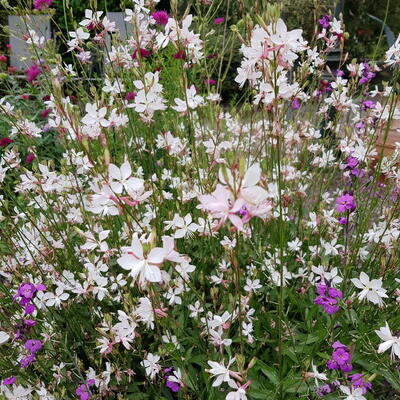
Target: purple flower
27 361
161 17
219 20
341 356
172 385
40 287
347 367
352 162
357 381
338 345
33 345
339 73
345 202
82 390
29 309
332 364
368 105
9 381
342 221
333 292
331 308
27 290
325 21
295 104
321 289
323 390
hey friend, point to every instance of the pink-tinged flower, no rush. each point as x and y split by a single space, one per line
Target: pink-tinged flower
5 141
9 381
32 73
42 4
3 58
210 82
219 20
146 267
29 158
33 345
161 17
120 178
222 205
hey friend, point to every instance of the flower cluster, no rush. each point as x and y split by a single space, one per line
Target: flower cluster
328 298
341 358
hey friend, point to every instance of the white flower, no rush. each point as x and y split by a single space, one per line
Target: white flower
393 54
79 34
252 286
389 341
192 100
4 336
56 299
146 268
120 178
219 371
239 393
371 290
145 312
195 309
17 392
355 394
151 366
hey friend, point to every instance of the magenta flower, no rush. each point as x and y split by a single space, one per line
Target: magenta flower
33 345
143 53
161 17
29 158
345 202
130 96
219 20
5 141
42 4
9 381
32 73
